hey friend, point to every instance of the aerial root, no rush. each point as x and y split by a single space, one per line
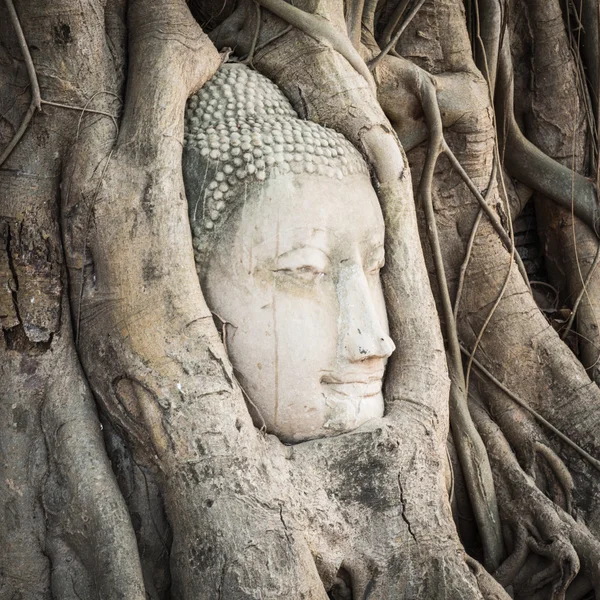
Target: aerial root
561 474
322 31
394 40
469 446
512 566
566 439
248 60
565 561
37 101
580 296
490 589
527 163
539 531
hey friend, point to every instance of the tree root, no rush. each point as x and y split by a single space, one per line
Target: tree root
567 440
529 164
470 449
489 587
488 15
248 60
388 47
465 264
84 109
581 294
354 21
323 31
388 30
275 37
539 526
36 100
506 240
410 73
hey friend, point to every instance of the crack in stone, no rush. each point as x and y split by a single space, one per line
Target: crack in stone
404 517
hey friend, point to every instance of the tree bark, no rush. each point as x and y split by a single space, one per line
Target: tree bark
109 350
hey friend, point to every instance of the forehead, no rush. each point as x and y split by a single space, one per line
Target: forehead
309 207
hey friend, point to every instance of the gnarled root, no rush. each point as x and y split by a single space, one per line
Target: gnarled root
538 526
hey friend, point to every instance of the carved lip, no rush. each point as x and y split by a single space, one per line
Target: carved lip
354 384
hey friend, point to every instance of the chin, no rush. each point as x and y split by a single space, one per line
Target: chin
341 415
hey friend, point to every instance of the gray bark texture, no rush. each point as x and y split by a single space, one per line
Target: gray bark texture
129 464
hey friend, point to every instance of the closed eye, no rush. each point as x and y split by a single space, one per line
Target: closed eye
307 272
307 263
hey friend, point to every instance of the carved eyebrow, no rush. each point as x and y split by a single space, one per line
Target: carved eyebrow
301 247
305 240
304 253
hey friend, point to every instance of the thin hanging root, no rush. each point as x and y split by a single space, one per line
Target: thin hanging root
368 15
411 15
248 60
275 37
470 448
486 208
490 18
92 111
36 99
354 21
263 426
323 31
465 263
391 25
567 440
489 316
511 244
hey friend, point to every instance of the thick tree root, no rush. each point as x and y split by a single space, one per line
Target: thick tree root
530 165
323 31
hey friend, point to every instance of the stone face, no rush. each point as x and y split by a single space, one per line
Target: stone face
289 256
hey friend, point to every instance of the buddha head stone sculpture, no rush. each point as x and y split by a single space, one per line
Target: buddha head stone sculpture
288 239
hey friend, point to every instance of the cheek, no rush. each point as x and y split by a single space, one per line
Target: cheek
287 340
306 329
252 345
250 335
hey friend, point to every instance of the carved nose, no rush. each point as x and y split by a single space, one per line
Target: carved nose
375 343
363 335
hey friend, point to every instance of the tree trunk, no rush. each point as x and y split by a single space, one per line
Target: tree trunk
131 467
